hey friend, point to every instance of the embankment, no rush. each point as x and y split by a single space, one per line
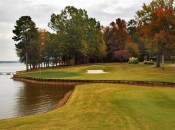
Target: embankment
78 82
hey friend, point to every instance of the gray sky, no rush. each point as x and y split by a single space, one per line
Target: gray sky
40 11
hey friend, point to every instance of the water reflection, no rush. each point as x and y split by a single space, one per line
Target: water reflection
37 98
21 99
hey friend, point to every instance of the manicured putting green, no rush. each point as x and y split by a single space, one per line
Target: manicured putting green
114 71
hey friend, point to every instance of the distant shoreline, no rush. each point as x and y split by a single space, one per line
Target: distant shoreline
9 62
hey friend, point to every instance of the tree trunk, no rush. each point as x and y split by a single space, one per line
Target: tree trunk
158 60
56 62
27 68
48 62
73 60
163 62
30 66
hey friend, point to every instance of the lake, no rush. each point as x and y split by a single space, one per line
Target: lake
21 99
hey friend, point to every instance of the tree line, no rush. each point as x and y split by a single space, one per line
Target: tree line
78 39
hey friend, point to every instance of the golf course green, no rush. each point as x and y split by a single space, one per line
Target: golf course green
114 71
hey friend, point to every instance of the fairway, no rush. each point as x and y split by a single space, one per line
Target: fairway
115 71
108 107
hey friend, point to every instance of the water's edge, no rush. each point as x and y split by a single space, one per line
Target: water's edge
63 101
78 82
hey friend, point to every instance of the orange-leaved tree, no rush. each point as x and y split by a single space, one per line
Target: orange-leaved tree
156 24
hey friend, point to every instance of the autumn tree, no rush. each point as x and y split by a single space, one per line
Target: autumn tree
121 55
132 48
156 22
135 42
115 36
43 38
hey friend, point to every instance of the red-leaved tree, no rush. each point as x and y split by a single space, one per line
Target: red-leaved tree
121 55
115 36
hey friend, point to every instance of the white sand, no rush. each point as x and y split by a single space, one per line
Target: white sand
95 71
172 65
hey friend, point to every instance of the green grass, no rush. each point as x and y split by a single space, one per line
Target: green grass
52 74
108 107
114 71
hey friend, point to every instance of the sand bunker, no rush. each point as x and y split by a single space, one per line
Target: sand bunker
95 71
172 65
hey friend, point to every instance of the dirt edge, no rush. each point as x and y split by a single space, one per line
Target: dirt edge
63 101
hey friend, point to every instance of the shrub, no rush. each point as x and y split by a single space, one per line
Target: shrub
121 55
149 62
133 60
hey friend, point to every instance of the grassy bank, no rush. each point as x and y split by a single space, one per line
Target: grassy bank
106 106
114 71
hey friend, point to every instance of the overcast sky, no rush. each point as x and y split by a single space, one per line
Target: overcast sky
40 11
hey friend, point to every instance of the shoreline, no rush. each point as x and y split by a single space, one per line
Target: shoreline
60 103
45 82
63 101
79 82
66 82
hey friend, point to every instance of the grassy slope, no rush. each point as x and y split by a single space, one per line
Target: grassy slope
115 72
106 106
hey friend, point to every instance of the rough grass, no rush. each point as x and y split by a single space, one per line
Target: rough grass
108 107
115 71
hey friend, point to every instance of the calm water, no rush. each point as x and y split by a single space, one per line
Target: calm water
21 99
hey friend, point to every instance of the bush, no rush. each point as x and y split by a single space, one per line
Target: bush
121 55
149 62
133 60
